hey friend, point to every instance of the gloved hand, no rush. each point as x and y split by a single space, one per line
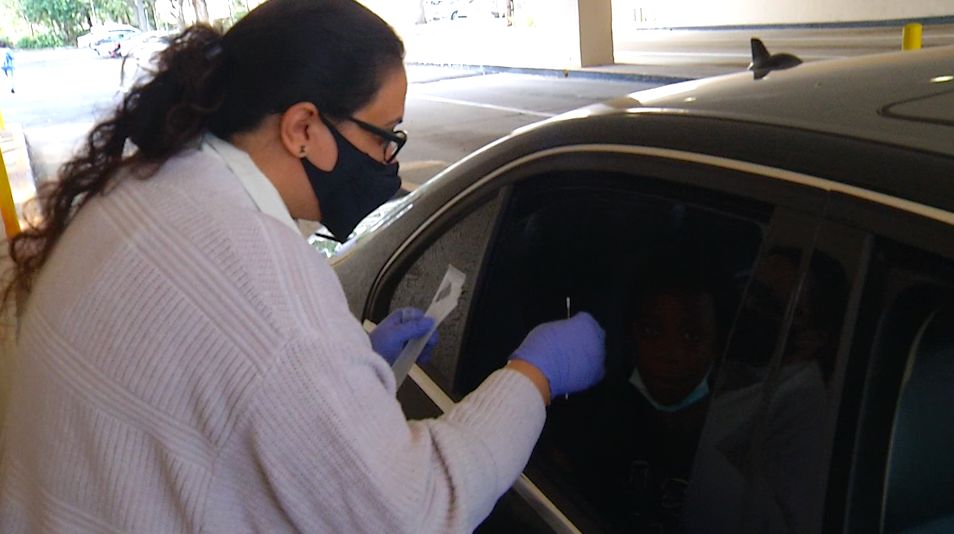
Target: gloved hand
402 325
570 353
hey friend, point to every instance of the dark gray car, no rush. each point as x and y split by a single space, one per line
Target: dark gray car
817 206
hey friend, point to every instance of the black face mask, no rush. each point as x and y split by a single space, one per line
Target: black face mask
356 186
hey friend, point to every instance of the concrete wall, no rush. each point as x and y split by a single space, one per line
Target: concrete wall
578 33
677 13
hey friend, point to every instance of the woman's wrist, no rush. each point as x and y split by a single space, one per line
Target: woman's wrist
535 375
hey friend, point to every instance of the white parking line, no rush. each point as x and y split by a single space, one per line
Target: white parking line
690 54
480 105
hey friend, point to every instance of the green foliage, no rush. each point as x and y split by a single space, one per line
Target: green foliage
116 11
45 40
65 18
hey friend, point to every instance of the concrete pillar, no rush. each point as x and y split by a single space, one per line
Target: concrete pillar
595 32
577 33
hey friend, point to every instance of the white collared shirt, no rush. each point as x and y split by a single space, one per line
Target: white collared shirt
256 184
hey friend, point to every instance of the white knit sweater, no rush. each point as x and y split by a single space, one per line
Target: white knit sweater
189 364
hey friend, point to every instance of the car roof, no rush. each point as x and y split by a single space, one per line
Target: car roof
899 98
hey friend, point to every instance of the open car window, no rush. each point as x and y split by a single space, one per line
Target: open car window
662 266
662 272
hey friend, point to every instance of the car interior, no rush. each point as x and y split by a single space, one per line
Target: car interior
568 243
561 242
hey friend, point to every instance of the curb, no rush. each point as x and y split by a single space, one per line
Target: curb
560 73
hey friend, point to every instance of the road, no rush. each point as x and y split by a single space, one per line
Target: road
449 117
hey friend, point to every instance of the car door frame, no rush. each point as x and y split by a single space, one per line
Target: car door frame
773 186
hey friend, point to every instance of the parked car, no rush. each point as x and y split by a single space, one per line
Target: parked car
98 33
110 44
824 193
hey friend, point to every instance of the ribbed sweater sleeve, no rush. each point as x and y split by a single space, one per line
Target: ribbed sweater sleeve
346 461
186 363
331 443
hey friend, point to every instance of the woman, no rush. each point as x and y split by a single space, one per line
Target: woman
188 363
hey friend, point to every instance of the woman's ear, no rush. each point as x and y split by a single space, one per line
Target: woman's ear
294 127
303 134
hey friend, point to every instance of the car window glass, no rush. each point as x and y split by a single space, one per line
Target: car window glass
920 471
889 472
461 244
658 273
763 458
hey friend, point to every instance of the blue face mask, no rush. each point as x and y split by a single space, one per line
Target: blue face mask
356 186
693 397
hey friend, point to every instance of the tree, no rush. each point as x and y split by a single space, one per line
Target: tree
115 11
64 18
201 10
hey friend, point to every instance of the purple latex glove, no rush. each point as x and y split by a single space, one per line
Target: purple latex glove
402 325
570 353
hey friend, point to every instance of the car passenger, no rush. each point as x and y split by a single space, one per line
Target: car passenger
677 327
676 316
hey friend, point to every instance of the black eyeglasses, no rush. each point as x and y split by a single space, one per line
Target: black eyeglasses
394 140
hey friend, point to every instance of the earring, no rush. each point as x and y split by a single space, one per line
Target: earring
301 151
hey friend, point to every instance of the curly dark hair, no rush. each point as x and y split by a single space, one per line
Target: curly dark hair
332 53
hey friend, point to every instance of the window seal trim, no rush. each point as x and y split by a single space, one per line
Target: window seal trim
823 184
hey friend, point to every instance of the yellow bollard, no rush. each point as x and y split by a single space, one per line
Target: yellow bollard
911 36
11 223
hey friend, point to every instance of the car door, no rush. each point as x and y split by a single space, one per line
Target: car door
570 230
891 468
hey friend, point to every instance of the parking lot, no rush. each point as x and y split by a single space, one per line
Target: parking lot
451 111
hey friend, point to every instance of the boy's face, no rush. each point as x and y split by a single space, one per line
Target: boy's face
675 335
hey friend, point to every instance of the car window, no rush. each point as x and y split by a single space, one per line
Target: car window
658 273
552 241
462 245
906 278
920 471
763 459
901 478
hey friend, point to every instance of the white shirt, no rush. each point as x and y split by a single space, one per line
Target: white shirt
256 184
